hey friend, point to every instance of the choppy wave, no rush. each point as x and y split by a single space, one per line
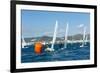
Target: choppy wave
72 52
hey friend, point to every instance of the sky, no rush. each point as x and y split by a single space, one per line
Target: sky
35 23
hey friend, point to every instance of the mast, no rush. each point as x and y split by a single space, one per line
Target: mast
66 34
54 36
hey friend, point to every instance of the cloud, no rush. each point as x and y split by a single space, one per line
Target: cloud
81 25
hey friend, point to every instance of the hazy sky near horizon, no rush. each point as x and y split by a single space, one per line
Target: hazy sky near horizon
39 23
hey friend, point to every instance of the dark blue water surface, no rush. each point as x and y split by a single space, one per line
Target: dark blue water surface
72 52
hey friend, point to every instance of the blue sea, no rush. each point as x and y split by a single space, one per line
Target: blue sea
72 52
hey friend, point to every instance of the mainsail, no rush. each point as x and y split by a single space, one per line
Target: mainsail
23 43
54 38
84 37
66 34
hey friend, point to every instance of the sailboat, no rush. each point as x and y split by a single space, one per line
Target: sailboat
24 44
66 34
54 38
84 37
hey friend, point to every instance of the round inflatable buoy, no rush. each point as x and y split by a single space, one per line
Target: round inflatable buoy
38 48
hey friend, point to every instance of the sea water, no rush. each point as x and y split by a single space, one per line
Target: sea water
73 51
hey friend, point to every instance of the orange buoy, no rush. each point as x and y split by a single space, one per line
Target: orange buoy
38 47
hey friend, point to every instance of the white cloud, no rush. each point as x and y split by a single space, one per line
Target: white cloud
81 25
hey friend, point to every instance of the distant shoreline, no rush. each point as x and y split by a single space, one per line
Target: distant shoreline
59 42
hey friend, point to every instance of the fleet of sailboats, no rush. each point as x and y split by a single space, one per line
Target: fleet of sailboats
54 37
51 49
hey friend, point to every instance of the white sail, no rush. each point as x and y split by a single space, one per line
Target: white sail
23 40
84 37
54 38
23 43
66 34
